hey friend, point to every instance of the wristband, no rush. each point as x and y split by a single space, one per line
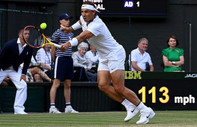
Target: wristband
76 26
73 42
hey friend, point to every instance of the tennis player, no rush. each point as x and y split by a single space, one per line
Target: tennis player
12 55
111 63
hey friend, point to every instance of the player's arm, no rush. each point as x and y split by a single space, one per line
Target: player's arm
75 26
84 36
77 40
66 29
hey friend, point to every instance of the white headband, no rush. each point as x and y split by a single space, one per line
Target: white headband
88 6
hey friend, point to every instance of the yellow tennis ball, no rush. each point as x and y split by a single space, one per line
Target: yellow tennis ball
43 26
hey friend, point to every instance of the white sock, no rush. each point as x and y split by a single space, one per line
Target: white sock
141 106
127 103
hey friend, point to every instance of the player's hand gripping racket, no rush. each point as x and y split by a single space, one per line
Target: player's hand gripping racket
36 38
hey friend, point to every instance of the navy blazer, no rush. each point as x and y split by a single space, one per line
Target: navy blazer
9 56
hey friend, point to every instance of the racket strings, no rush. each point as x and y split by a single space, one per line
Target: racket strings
35 38
43 42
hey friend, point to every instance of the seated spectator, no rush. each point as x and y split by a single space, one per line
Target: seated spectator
80 60
140 59
173 57
92 56
35 73
39 75
43 57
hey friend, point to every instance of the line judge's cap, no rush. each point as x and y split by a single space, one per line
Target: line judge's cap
65 16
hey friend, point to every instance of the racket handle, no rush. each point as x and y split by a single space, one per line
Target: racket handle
56 45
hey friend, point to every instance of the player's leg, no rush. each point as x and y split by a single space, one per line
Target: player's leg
21 92
118 80
104 81
67 93
118 83
116 65
115 62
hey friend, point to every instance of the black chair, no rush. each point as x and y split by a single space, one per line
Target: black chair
79 74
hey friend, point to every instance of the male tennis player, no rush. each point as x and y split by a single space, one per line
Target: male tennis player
12 55
111 64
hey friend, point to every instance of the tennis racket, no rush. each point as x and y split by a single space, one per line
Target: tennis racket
36 38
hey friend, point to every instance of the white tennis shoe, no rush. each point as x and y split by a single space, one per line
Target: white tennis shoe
54 110
131 112
145 116
70 110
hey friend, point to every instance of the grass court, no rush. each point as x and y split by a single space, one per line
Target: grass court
98 119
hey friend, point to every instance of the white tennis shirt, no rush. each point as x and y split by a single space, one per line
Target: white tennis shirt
102 40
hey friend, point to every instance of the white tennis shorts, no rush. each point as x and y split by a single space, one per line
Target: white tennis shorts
113 61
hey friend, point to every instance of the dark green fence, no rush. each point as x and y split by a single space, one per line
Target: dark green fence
12 20
85 97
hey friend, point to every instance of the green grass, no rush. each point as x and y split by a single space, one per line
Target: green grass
98 119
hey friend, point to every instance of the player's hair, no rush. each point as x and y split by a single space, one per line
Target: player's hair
91 3
174 37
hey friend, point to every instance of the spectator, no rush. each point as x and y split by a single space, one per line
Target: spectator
12 55
140 59
37 72
173 57
43 57
80 60
92 56
63 70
